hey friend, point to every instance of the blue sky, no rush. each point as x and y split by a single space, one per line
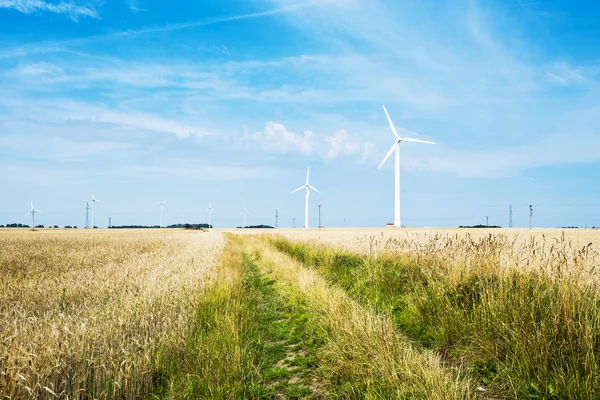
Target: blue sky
229 101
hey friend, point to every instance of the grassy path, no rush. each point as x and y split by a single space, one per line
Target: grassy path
245 344
269 328
358 354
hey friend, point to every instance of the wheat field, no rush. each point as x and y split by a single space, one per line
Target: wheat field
300 314
85 314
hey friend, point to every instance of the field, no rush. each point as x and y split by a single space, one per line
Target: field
337 313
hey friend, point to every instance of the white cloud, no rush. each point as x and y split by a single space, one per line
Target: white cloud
341 143
70 8
275 138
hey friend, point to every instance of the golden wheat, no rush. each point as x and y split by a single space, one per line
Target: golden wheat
83 314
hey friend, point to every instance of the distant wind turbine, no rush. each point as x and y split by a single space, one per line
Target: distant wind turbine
306 186
244 212
396 148
32 212
162 205
210 210
94 201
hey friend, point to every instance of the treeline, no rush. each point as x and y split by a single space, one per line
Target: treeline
257 227
37 226
179 226
480 226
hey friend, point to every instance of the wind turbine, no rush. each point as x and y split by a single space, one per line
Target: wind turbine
396 148
210 210
94 211
162 205
32 212
306 186
244 212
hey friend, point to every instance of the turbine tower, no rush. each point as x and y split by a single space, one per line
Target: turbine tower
307 187
162 206
32 212
396 148
210 210
244 212
94 211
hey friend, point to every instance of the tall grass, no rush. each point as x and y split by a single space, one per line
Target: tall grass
362 355
88 315
522 316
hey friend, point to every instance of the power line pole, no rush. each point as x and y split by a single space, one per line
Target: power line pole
530 215
87 215
276 219
510 224
319 215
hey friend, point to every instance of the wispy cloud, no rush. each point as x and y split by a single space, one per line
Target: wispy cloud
555 150
70 8
562 73
61 111
133 6
62 45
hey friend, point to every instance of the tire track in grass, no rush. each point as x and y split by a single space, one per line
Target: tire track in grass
358 354
287 363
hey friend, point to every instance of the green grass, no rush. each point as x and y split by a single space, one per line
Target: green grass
245 343
531 334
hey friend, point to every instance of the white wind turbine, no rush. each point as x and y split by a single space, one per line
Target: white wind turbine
244 212
162 206
306 186
32 212
210 210
94 201
396 148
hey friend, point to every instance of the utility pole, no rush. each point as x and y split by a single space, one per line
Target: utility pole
530 215
510 224
319 216
87 215
276 219
294 222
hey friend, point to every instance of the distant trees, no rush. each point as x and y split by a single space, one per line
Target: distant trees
174 226
15 226
479 226
258 227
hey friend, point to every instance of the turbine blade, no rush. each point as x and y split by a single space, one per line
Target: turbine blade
391 123
389 153
313 188
300 188
28 213
416 140
307 173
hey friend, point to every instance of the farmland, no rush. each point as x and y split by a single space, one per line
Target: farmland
347 313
